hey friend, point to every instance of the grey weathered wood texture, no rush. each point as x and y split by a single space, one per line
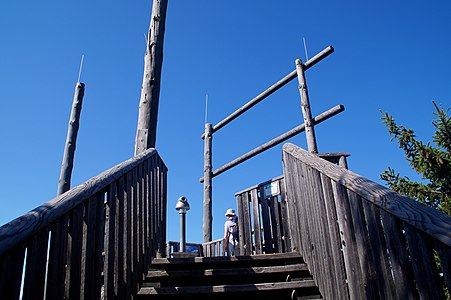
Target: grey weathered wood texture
208 218
146 133
360 239
305 107
71 139
103 232
263 220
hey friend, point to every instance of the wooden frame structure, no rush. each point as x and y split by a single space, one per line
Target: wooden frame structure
307 126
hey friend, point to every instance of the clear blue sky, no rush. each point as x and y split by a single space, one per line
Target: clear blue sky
389 55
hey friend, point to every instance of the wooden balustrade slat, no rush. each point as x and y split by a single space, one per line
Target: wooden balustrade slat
11 266
404 281
74 253
247 225
256 219
128 235
36 266
423 264
134 230
110 268
275 224
266 222
241 232
57 259
378 248
285 217
337 262
121 234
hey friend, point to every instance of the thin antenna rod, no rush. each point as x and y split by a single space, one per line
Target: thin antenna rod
206 108
81 67
305 49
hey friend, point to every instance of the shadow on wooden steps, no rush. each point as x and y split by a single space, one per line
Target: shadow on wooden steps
268 276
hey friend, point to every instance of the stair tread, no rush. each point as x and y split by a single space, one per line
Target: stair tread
266 258
158 274
272 286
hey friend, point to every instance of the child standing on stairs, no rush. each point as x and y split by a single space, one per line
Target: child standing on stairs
230 244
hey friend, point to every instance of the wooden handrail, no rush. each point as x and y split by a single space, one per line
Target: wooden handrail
25 226
430 221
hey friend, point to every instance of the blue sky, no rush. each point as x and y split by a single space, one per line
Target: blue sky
389 55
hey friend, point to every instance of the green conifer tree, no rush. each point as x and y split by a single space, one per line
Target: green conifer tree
432 162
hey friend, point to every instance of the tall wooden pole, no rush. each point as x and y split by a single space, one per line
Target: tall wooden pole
208 218
305 105
71 139
150 91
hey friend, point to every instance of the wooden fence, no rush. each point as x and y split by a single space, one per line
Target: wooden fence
263 219
360 239
96 239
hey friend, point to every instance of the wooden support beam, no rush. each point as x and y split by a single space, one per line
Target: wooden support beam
71 140
305 106
274 142
310 63
208 218
150 91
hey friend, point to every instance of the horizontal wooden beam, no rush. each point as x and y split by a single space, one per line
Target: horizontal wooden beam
293 74
274 142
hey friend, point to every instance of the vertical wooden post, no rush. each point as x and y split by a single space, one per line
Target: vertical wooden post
71 139
305 105
208 219
150 91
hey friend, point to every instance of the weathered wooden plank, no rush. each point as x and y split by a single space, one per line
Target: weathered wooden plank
338 264
378 247
322 247
348 240
247 225
57 260
134 231
161 274
121 279
256 219
140 221
285 217
128 250
74 248
275 223
423 264
266 223
427 219
11 267
36 266
241 232
91 258
22 228
444 254
401 268
228 288
111 242
364 250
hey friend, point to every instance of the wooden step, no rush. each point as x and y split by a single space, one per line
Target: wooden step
274 286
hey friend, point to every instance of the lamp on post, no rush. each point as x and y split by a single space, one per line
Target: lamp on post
182 207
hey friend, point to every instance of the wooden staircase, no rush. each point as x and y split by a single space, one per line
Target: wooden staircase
266 276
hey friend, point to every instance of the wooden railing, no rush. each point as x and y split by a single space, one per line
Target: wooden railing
263 219
213 248
96 239
172 247
360 239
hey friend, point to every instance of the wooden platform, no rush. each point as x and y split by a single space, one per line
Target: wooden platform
271 276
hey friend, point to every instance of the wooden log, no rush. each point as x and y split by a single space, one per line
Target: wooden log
305 106
150 90
274 142
208 218
310 63
71 140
